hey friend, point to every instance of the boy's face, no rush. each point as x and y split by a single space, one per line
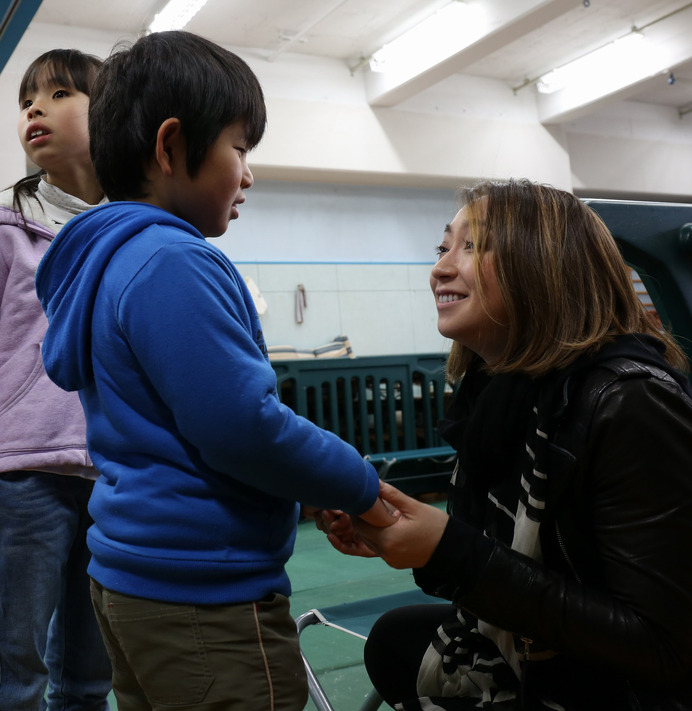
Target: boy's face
210 200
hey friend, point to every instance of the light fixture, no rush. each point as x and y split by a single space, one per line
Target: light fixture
425 44
623 57
175 15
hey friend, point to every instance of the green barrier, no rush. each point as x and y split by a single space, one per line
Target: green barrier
656 241
387 407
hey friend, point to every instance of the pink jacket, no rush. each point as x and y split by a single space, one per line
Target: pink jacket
41 427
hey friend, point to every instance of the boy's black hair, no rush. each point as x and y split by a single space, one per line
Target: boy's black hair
68 68
167 75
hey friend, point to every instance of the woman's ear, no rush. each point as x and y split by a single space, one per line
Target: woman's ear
171 151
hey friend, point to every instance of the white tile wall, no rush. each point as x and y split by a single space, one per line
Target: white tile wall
383 309
363 253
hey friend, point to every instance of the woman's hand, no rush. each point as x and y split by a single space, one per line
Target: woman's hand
411 540
340 529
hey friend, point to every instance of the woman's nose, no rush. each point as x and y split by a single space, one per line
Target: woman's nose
443 267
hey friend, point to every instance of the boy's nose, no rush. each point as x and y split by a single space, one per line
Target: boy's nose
34 111
248 179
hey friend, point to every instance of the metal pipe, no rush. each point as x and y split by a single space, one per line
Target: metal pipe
294 38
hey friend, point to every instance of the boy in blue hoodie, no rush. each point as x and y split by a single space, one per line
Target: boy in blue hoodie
201 466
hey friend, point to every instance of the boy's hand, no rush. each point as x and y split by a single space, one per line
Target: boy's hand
381 514
341 531
326 519
309 511
341 534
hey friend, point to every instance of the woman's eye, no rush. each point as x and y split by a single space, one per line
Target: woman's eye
468 245
440 250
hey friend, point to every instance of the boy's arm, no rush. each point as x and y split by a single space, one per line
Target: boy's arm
187 319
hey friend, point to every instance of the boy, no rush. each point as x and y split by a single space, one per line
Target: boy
194 512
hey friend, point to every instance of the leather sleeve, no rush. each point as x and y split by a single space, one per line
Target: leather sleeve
639 482
456 563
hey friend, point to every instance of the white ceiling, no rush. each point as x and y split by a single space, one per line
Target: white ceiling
531 37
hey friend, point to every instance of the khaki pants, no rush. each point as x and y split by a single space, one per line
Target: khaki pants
201 657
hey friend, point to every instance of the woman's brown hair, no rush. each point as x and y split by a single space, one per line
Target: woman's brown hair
564 283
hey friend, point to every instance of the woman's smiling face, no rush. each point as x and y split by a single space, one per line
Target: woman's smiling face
479 324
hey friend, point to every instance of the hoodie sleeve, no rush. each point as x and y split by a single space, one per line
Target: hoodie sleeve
189 325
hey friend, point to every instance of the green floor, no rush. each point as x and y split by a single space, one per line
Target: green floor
321 576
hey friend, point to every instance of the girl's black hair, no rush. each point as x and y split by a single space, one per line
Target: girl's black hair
167 75
62 67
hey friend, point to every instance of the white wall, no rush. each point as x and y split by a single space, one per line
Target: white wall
350 201
647 151
363 254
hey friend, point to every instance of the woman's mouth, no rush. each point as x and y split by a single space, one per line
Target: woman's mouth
448 298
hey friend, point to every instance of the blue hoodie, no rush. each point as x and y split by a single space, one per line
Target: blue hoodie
200 463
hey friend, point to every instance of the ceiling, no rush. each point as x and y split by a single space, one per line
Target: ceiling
529 37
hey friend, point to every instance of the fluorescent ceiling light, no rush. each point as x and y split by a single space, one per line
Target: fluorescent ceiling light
426 44
625 57
175 15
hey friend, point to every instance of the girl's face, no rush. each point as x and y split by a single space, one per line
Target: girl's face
461 315
53 127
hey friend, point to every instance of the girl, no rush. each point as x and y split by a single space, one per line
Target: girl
48 632
570 512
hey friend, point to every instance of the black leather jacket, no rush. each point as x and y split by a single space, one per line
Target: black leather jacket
613 596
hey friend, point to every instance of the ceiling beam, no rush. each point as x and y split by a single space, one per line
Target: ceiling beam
669 41
15 18
289 41
499 22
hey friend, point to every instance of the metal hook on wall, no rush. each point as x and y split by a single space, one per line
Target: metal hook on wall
301 302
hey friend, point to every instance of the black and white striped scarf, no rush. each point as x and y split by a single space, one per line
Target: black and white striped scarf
471 664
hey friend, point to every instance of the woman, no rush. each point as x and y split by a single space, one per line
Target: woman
570 514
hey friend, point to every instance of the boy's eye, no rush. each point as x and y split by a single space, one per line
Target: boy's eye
60 93
26 103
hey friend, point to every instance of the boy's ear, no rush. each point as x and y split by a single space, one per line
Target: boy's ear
170 151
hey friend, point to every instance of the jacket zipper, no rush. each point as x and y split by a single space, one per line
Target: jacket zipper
563 548
527 647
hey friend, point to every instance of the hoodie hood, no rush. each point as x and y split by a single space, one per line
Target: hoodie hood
69 276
